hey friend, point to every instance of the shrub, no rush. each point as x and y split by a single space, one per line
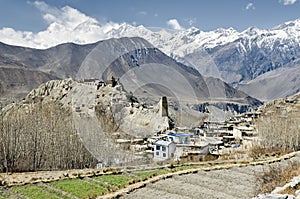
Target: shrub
274 176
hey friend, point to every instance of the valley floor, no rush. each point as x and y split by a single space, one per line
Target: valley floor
222 180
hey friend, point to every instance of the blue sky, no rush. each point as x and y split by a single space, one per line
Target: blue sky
42 24
204 14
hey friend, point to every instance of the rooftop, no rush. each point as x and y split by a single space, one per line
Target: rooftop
163 143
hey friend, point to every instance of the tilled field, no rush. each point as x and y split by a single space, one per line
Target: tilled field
236 182
220 180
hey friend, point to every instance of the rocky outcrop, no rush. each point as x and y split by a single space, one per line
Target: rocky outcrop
123 113
115 109
54 90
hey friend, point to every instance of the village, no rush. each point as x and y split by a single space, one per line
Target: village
195 144
186 143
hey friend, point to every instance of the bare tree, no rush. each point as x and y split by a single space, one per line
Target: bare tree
42 138
277 130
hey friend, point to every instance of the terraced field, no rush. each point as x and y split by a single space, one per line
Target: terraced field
86 187
233 182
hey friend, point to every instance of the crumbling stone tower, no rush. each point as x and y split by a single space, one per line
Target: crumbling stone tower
163 107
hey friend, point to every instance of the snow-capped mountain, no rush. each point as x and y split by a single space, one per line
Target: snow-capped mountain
179 43
184 42
236 57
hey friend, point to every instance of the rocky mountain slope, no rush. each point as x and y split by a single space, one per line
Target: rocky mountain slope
16 82
275 84
139 65
236 57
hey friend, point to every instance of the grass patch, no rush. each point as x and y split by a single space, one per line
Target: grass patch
144 175
5 195
53 192
33 192
116 180
80 188
181 168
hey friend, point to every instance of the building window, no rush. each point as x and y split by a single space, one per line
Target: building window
164 155
157 148
163 148
157 153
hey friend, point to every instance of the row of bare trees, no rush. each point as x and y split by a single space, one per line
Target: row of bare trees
40 137
279 130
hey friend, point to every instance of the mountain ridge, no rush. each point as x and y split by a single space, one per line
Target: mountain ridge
237 57
137 63
256 51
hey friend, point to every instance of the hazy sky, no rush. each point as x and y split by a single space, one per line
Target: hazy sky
204 14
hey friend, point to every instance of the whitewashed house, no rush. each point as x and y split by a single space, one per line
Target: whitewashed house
164 150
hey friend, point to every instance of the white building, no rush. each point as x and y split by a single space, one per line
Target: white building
164 149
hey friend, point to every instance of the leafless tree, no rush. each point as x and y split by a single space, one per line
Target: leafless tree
43 137
278 130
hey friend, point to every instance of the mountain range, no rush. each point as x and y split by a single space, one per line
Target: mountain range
142 69
239 58
263 63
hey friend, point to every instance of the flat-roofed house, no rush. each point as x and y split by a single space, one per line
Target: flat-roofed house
164 150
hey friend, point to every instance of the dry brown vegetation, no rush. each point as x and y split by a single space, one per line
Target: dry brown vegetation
260 152
279 133
281 129
41 137
290 190
274 176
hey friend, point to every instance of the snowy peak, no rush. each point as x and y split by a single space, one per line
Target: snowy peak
252 31
181 43
289 25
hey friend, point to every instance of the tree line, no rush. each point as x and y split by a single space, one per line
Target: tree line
41 137
280 130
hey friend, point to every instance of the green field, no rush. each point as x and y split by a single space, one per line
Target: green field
149 174
88 187
80 188
33 191
116 180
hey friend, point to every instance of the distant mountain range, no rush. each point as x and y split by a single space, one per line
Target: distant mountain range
235 57
239 58
141 67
